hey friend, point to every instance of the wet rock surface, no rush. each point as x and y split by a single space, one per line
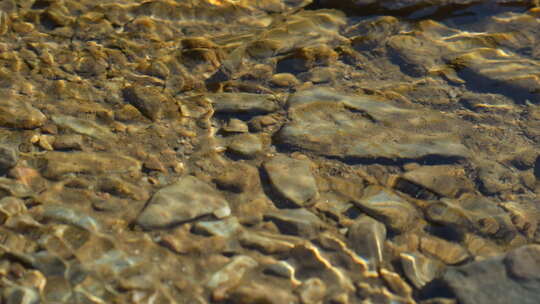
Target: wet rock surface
512 278
292 179
185 200
365 128
269 151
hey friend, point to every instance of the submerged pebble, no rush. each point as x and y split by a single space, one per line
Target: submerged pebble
185 200
8 158
362 127
17 113
292 179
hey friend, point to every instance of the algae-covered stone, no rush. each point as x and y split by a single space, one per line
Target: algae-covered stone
60 163
292 179
362 127
243 103
82 126
148 100
17 113
185 200
239 177
8 157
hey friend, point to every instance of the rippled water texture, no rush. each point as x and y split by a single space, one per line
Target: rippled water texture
269 151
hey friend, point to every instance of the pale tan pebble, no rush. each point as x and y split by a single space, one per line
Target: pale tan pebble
47 57
119 127
284 80
396 283
132 130
306 85
235 125
46 141
17 65
59 86
299 156
179 167
187 133
34 139
219 149
27 88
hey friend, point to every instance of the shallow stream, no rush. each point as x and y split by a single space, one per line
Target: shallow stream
269 151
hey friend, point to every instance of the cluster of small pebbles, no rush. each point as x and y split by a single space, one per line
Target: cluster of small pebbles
269 151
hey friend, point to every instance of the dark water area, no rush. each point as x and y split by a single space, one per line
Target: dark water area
269 151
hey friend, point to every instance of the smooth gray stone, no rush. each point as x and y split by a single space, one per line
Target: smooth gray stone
292 179
8 157
362 127
513 278
296 222
185 200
